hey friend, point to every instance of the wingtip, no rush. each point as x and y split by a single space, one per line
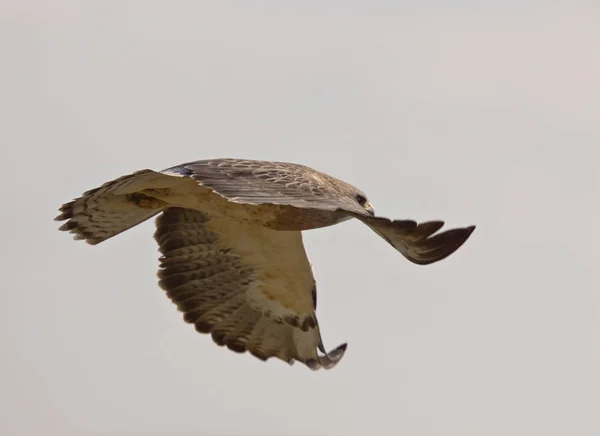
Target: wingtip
332 358
469 231
442 245
463 235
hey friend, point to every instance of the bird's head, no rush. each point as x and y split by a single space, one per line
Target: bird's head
363 201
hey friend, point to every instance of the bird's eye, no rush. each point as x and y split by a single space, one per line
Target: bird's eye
361 199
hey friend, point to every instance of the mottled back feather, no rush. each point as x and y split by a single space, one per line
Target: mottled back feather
263 182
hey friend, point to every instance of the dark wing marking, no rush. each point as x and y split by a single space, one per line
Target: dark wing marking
418 242
263 182
228 285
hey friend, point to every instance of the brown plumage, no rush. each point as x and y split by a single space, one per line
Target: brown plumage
233 260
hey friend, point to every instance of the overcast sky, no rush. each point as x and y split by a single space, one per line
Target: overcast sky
483 113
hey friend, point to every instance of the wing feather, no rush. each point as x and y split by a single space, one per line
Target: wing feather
115 206
249 287
418 242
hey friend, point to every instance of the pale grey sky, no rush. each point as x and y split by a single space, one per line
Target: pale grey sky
482 113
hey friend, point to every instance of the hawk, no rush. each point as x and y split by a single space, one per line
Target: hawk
233 261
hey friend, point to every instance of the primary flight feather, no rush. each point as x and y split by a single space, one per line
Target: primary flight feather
233 260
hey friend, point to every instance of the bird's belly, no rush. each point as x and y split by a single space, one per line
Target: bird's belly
295 218
275 216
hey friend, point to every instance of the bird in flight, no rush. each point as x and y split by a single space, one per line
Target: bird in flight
233 261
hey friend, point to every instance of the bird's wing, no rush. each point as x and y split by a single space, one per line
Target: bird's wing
106 211
251 288
419 243
264 182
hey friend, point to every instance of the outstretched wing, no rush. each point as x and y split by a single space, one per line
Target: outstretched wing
106 211
264 182
418 242
251 288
